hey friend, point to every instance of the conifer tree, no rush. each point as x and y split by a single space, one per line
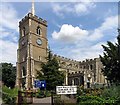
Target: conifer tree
50 72
111 61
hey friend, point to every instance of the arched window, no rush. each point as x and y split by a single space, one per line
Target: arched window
39 58
76 81
84 67
23 59
24 71
38 30
91 67
23 33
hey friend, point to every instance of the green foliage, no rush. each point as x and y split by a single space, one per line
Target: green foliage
112 93
9 95
95 100
8 99
8 74
51 73
13 92
110 96
111 61
48 93
90 99
42 93
88 91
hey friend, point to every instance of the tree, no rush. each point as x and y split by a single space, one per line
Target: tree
50 72
8 74
111 61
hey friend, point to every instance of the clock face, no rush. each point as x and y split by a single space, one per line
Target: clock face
39 42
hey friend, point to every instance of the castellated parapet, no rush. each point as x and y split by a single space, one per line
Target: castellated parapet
35 18
85 64
66 63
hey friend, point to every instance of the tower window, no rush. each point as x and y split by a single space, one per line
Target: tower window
23 31
39 58
91 67
38 31
84 67
24 71
23 59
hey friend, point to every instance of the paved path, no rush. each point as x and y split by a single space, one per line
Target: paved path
67 99
40 101
47 100
0 100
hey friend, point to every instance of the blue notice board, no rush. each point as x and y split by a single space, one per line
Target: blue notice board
40 84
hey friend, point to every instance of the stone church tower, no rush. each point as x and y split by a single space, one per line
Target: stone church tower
32 48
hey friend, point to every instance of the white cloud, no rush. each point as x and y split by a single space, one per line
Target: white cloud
69 34
8 16
85 51
9 32
85 44
61 9
109 24
8 51
74 8
119 20
82 51
4 33
83 7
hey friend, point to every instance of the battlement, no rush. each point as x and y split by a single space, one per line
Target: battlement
64 58
74 61
75 73
35 18
89 60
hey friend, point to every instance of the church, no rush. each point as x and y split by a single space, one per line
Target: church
33 50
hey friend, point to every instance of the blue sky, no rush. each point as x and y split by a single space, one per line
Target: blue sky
75 29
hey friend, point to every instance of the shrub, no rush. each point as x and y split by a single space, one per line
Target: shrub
89 99
8 99
107 96
43 93
95 100
9 95
40 94
112 93
48 93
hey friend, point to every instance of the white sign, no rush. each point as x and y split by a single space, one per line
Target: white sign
66 89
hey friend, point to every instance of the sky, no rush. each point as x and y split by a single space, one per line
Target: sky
76 30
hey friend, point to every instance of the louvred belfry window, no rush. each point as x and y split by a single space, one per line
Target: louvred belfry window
38 30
